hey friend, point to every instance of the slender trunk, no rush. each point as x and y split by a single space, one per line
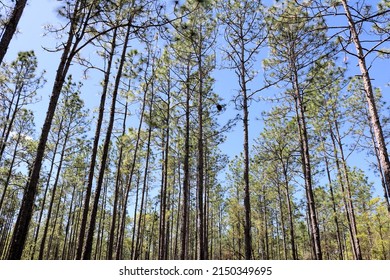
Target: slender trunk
100 230
46 189
351 211
68 225
55 225
130 180
306 166
9 121
280 202
146 172
341 182
200 166
43 241
95 147
245 109
9 174
116 195
132 252
334 209
163 249
178 209
290 213
163 205
186 179
88 244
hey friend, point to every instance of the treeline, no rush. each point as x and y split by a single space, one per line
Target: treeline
140 176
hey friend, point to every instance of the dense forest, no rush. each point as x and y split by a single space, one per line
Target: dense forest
145 172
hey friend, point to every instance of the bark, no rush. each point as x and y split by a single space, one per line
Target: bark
9 121
373 112
26 210
10 27
163 249
146 173
132 252
46 189
116 195
247 205
200 159
9 174
131 175
280 203
290 212
385 187
334 209
42 247
88 245
348 194
68 225
306 166
54 228
186 179
92 165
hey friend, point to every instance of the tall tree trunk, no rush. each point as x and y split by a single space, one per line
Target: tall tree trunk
43 241
348 194
46 189
88 244
145 181
163 249
178 208
280 204
290 212
133 245
130 180
95 147
306 166
116 194
11 167
342 185
9 121
68 225
10 27
373 112
334 209
186 167
245 120
200 166
386 188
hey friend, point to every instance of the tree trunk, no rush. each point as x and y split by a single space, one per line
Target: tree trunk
186 179
373 112
95 147
9 174
163 239
336 222
88 244
348 194
42 247
145 183
10 27
306 166
116 195
26 210
290 212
